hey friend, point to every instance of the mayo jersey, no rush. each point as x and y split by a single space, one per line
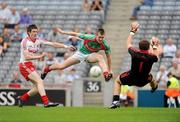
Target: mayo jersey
31 46
90 44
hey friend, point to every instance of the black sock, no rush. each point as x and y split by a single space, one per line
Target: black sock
116 98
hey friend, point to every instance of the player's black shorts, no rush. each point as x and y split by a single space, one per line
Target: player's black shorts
127 78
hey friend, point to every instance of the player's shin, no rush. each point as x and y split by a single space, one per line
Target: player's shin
59 66
33 91
116 100
42 93
117 87
44 97
104 68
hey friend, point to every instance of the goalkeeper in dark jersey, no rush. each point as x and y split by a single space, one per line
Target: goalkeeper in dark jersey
142 59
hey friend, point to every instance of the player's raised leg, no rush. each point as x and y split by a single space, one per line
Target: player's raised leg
95 57
60 66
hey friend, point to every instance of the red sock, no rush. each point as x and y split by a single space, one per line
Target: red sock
46 69
45 99
24 97
105 73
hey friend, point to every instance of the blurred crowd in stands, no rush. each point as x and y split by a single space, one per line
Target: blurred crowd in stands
137 8
172 54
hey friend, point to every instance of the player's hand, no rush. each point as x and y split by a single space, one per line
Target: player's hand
71 48
134 27
154 42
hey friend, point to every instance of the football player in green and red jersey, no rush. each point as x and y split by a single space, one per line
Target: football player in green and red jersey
89 47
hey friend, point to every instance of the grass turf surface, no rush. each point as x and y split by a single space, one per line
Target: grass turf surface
87 114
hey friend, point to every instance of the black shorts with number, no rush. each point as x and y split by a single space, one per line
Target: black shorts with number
127 78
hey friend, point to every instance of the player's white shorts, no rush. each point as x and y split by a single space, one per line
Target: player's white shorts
80 56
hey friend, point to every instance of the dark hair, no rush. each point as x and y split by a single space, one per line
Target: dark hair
169 74
144 45
101 31
30 27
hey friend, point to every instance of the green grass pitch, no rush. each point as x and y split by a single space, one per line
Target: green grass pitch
87 114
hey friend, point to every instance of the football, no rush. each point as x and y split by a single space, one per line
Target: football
95 71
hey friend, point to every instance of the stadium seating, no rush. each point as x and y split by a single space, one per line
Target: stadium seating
47 14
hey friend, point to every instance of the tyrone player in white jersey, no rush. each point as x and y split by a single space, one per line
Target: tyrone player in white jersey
29 48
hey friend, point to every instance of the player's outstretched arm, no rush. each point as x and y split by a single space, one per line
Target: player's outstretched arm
60 45
78 39
30 56
67 33
134 28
